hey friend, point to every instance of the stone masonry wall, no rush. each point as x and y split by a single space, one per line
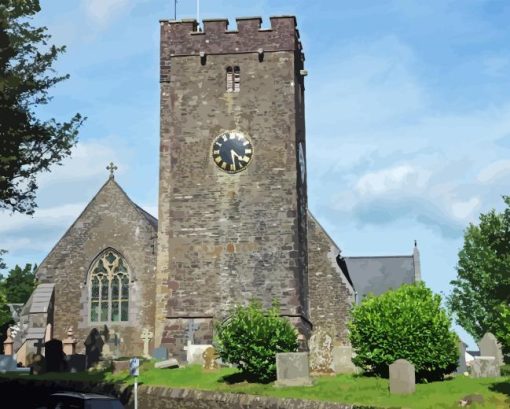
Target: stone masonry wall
111 220
150 397
331 294
226 238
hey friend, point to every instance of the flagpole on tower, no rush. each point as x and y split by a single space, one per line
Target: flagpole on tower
198 11
175 9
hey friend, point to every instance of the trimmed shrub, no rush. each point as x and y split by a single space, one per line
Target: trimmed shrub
407 323
251 337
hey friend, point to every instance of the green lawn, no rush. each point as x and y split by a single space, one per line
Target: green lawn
341 388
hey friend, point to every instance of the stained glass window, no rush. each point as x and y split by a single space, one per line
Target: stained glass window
109 288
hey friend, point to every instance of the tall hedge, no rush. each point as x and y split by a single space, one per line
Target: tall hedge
407 323
251 337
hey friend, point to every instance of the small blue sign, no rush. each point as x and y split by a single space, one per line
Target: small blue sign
134 364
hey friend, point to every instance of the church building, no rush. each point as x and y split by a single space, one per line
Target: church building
233 221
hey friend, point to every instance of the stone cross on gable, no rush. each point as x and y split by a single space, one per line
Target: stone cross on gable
146 337
112 168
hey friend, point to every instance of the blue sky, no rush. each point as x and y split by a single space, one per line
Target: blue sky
407 109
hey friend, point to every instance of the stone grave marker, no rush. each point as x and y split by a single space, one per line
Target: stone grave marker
7 363
93 347
76 363
36 363
194 353
69 343
321 352
146 338
489 346
168 363
292 369
485 367
54 355
210 356
402 377
461 365
8 343
342 360
160 353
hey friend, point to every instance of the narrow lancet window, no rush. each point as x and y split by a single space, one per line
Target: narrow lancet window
233 79
109 288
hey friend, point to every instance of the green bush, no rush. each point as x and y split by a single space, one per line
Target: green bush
505 370
251 337
407 323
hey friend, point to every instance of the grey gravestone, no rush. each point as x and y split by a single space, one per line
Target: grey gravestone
402 377
7 363
485 367
292 369
342 360
160 354
321 352
76 363
54 355
93 347
489 346
461 363
169 363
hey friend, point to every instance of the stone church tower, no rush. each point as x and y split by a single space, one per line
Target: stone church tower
232 198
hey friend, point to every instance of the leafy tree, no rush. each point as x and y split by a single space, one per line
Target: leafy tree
503 335
16 288
251 337
407 323
483 276
28 145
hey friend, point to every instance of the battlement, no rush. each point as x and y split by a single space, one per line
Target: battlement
182 37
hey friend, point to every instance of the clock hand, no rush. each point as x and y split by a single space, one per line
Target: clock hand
234 155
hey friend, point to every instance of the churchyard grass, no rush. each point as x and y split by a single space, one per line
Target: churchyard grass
340 388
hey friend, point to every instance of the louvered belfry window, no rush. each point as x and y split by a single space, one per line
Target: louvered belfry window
109 288
233 79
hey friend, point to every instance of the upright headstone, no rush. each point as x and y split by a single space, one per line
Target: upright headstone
146 338
7 363
485 367
93 347
160 353
402 377
8 344
292 369
210 356
54 356
342 360
69 343
321 352
489 346
461 362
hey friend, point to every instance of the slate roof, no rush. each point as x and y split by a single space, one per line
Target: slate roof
380 273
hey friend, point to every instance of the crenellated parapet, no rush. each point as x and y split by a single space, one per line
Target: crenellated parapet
183 38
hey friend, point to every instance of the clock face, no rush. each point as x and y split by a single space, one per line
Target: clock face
232 151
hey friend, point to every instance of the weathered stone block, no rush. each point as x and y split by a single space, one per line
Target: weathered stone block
402 377
169 363
160 354
7 363
489 346
292 369
342 360
485 367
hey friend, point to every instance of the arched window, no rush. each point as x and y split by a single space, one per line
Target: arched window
233 79
109 288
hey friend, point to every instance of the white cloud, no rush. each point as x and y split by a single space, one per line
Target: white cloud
494 171
386 180
464 210
103 11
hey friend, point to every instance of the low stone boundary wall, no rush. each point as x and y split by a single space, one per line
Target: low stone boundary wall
27 393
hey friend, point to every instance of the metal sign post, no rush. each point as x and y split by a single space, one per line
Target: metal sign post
134 364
